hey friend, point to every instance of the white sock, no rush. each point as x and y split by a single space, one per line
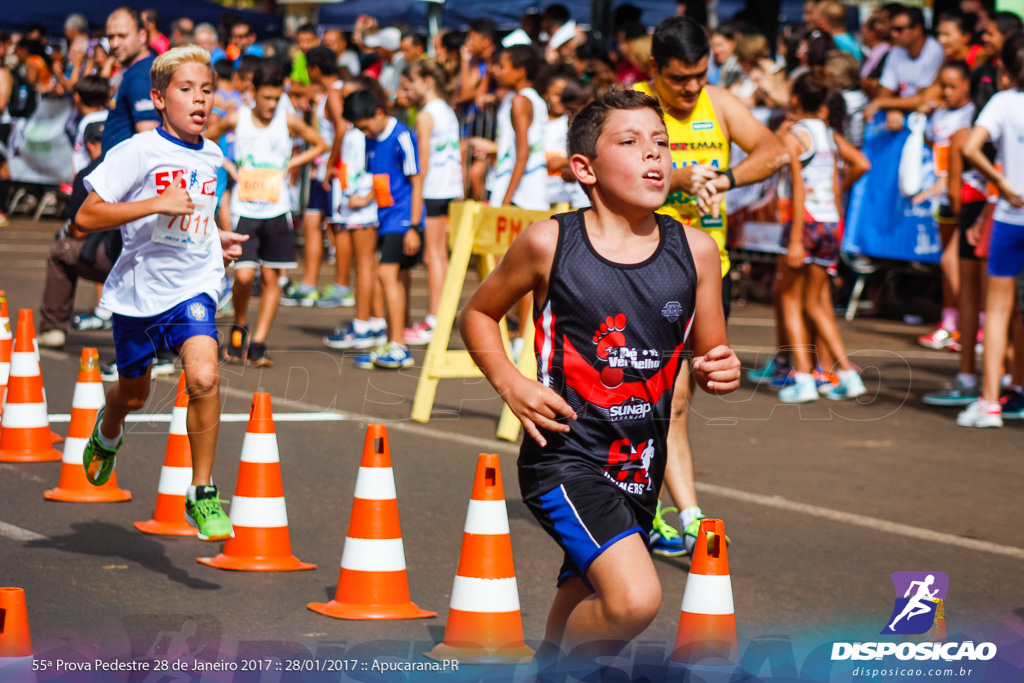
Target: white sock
191 493
431 321
846 374
687 515
803 377
967 379
360 326
378 324
109 444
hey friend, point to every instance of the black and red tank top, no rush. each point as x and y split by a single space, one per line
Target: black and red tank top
610 339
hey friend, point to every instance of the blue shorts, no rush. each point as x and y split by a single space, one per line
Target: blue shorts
136 340
319 200
586 516
1006 250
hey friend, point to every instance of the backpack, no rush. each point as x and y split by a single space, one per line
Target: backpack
24 97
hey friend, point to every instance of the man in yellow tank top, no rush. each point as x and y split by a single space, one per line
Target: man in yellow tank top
702 122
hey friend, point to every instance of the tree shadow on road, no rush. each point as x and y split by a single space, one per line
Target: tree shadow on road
103 539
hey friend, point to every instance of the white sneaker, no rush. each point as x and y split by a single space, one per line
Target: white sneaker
803 390
850 387
981 413
51 339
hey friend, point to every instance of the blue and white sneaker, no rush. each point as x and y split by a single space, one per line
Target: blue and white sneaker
300 294
664 539
346 337
335 296
803 390
958 394
393 356
849 387
366 360
766 373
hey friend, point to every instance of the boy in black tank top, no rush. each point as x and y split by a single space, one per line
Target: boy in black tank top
618 291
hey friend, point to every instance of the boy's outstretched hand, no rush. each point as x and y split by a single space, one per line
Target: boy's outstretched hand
539 406
717 371
231 244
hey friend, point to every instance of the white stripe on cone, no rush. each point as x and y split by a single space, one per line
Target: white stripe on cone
5 373
24 364
375 483
708 594
74 447
174 481
488 517
373 554
260 448
25 415
258 512
485 595
88 396
179 421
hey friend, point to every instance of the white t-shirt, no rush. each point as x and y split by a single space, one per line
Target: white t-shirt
941 127
166 259
325 127
357 182
80 157
556 142
818 171
905 76
262 156
444 170
531 193
1002 118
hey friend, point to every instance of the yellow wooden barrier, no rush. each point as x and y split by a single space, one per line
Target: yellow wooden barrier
487 232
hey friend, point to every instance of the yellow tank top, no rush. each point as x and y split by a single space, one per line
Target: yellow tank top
698 139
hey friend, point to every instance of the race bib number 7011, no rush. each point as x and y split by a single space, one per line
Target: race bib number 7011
197 231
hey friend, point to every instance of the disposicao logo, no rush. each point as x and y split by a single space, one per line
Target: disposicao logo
918 595
918 600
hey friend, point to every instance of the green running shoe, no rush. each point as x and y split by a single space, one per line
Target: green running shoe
664 539
97 459
206 514
691 531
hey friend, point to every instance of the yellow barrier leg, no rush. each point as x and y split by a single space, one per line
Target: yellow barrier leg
508 423
426 388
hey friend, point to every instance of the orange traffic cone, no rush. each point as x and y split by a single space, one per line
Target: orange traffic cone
73 487
14 636
25 434
707 622
6 344
258 511
372 583
175 476
484 623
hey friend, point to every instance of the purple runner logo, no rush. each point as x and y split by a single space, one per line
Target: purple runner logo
918 595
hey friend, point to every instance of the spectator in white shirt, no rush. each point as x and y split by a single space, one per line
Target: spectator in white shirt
910 66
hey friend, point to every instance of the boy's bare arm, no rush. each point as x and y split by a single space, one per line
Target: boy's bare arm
525 268
96 215
716 368
299 128
522 118
219 125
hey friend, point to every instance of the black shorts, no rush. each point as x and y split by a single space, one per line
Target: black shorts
586 516
944 215
727 293
969 214
437 207
391 249
271 242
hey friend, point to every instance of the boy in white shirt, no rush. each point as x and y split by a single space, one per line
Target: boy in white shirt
159 187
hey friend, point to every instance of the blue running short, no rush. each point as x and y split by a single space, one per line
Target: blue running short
1006 250
136 340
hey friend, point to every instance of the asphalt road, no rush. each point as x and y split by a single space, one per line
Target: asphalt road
822 502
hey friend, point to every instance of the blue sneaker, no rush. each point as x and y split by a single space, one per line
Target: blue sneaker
1013 404
334 296
765 373
782 378
346 337
664 539
366 360
393 356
